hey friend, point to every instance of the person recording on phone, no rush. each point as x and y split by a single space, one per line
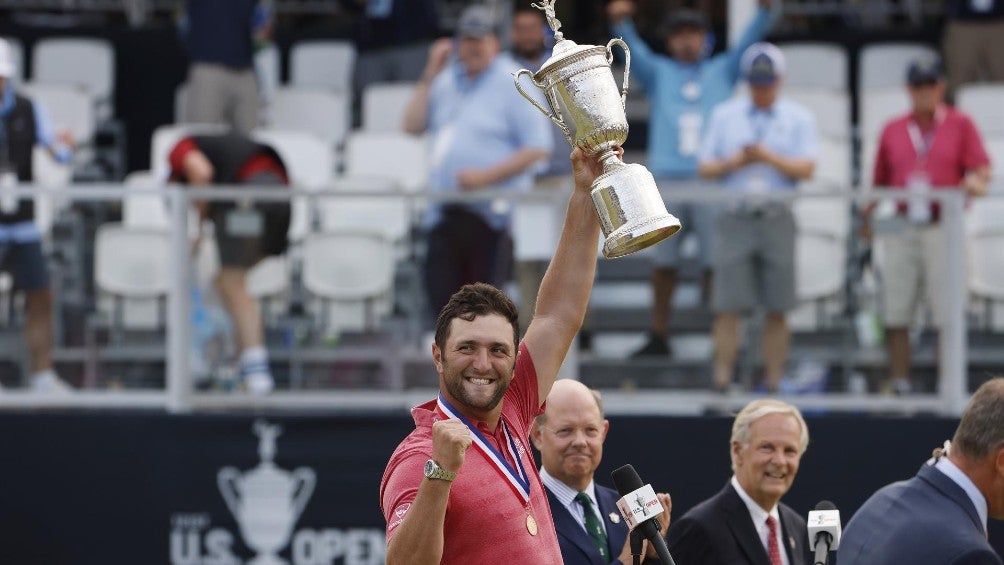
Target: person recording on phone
746 523
570 435
939 517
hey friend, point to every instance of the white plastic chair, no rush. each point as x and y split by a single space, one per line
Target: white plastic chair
986 256
384 104
322 64
321 112
68 107
831 108
141 206
385 215
884 65
833 166
820 255
877 107
815 65
349 267
133 265
310 164
398 156
165 137
85 62
985 104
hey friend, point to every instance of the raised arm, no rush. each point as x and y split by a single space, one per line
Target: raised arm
416 113
643 59
564 291
768 12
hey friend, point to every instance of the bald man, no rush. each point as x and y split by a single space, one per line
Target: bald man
570 435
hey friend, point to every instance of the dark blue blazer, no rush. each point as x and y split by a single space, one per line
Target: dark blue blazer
927 520
577 547
719 531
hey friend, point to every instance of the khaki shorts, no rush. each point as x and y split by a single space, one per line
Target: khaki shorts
911 262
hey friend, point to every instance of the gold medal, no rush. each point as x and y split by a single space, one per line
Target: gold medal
531 525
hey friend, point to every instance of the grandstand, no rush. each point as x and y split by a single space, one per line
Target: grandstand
347 327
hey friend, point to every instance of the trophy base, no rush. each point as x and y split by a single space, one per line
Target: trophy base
632 213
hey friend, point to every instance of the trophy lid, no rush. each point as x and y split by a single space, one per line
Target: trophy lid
565 49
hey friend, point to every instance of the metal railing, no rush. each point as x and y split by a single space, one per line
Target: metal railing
180 396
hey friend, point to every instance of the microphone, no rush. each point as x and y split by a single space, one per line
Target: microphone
640 507
824 530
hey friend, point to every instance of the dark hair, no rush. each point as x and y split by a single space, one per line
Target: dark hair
981 430
522 9
471 301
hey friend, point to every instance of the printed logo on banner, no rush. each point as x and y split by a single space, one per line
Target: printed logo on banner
266 502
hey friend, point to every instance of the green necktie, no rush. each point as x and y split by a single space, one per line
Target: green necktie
593 526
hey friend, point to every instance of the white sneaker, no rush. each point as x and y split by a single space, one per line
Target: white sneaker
258 383
49 381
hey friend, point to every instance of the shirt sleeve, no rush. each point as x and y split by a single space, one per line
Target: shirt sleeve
178 154
755 31
403 479
532 130
47 136
522 392
709 141
643 59
881 175
974 153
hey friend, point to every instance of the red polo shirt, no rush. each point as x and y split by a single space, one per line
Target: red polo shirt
485 521
955 148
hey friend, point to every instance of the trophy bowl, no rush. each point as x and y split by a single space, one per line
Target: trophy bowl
585 103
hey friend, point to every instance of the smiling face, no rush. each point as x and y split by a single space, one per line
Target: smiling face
570 435
767 464
475 365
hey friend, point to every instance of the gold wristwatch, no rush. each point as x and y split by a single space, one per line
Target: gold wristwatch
434 471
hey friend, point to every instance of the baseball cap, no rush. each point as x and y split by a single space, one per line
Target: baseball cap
762 64
476 21
924 71
685 19
7 67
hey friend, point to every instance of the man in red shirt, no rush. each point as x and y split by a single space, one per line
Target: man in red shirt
933 147
446 503
244 234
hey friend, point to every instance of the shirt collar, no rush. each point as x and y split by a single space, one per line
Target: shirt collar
958 477
752 110
758 514
564 493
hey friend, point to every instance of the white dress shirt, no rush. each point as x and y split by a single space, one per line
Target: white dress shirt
566 496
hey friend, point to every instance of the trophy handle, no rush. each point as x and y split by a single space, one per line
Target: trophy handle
227 480
304 480
627 65
550 116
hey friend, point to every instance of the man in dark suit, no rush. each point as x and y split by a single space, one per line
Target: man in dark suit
746 523
570 434
939 517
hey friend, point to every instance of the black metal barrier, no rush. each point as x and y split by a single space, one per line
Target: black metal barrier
141 488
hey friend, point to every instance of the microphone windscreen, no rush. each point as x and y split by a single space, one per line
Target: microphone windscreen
626 479
825 505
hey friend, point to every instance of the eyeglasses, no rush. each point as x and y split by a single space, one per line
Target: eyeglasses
591 432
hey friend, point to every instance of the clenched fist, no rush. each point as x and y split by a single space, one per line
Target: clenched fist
450 440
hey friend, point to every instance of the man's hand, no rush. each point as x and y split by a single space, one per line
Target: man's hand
620 9
757 153
667 509
439 54
975 183
450 440
625 556
471 179
585 168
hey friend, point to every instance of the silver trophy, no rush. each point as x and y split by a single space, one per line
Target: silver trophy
266 501
585 103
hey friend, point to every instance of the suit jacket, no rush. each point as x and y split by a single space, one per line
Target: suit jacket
577 548
927 520
719 531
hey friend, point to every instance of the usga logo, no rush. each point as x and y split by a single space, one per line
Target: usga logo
266 502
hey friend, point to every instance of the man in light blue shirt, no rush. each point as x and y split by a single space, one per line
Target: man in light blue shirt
682 89
758 147
940 515
483 134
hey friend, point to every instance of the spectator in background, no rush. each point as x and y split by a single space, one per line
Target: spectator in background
746 523
940 515
933 147
973 42
682 89
221 38
483 135
244 234
23 125
570 435
393 40
758 147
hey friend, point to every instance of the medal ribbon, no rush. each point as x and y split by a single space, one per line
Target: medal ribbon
517 478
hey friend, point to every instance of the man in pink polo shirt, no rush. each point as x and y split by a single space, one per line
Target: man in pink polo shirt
446 503
933 147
